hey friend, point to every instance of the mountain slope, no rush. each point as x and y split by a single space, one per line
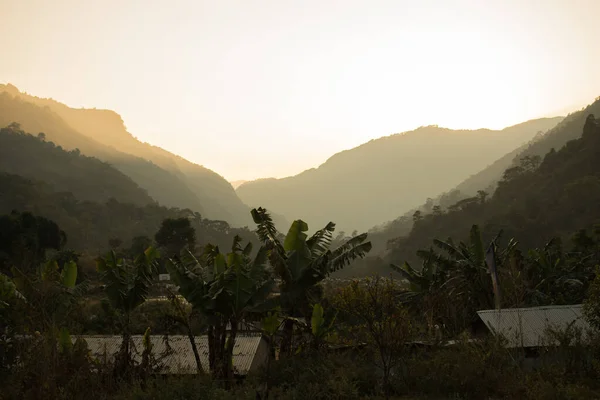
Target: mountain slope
381 179
90 224
87 178
568 129
163 186
532 204
217 197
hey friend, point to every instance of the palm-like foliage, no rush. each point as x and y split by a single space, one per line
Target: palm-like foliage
554 276
429 279
52 295
127 286
424 294
460 274
8 291
301 262
226 289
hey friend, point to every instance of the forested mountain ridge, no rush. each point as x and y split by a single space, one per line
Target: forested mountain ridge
487 179
535 201
379 180
568 129
169 179
162 186
90 225
86 177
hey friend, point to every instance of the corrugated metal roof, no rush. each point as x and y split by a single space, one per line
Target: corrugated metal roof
174 354
528 327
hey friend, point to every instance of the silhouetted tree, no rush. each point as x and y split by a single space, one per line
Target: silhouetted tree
24 239
174 235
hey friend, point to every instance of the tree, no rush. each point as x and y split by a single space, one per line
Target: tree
425 292
115 243
183 317
302 262
482 195
24 239
468 271
378 319
139 244
428 206
49 297
417 216
461 275
320 326
555 276
174 235
126 286
226 289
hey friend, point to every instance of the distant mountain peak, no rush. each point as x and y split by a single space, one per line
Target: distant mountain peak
168 178
378 180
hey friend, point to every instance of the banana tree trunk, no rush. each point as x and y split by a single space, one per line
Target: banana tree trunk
212 348
288 334
195 349
228 353
122 363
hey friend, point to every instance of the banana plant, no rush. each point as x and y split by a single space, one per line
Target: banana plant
8 291
51 294
270 325
127 286
460 273
226 289
319 325
9 298
301 262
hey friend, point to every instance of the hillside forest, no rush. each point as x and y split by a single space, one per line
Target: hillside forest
362 279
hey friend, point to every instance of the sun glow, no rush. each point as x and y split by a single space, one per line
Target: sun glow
255 89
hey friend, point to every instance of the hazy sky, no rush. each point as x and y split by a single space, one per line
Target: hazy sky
255 88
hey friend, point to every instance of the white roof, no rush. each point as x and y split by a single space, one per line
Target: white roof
174 353
528 327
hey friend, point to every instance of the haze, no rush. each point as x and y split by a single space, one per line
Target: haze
270 88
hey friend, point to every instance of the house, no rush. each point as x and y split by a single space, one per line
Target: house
529 327
174 354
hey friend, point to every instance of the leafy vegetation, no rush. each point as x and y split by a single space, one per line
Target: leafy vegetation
87 178
353 341
89 225
536 200
410 335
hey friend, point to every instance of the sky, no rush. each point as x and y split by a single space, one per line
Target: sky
269 88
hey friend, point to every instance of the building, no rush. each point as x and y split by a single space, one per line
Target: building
530 327
174 354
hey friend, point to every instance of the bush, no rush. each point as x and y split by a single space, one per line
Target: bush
467 370
183 388
322 376
45 372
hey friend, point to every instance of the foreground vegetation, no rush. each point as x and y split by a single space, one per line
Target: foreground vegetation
386 336
332 341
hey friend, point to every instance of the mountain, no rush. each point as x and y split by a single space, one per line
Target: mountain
533 203
379 180
89 199
89 225
168 178
87 178
237 184
568 129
